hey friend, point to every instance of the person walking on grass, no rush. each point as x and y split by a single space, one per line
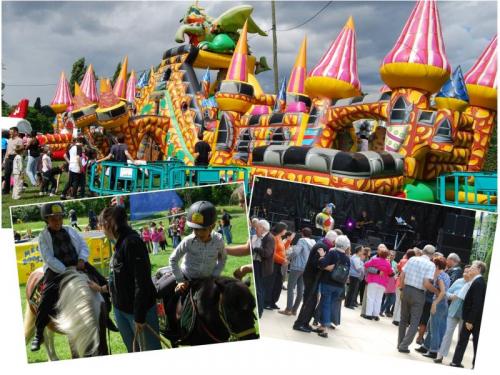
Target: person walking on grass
155 238
10 154
18 173
33 149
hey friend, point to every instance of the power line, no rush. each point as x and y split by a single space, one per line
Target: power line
139 72
301 24
309 19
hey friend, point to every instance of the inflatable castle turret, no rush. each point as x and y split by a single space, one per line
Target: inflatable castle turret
336 74
297 100
418 59
236 94
481 82
62 98
113 112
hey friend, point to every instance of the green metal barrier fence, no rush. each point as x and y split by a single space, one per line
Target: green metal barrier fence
477 190
109 178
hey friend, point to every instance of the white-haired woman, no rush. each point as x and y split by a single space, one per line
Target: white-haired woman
335 265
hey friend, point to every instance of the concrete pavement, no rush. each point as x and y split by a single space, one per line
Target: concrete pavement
354 333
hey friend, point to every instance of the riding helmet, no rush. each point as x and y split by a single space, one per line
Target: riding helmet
201 214
51 209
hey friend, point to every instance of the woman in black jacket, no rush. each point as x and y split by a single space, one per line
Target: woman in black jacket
132 291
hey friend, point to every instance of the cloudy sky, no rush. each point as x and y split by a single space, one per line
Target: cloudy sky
41 39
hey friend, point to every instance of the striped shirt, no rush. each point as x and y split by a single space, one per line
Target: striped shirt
418 269
199 259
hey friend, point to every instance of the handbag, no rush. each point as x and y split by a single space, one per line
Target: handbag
340 273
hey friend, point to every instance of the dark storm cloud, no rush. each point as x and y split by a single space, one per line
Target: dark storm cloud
42 39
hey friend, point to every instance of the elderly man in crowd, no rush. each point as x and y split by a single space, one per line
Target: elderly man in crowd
416 277
262 251
311 277
453 268
472 312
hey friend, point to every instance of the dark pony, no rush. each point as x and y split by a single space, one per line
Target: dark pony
216 309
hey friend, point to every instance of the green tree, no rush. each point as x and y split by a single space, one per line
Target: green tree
490 164
38 104
5 105
39 121
117 73
77 73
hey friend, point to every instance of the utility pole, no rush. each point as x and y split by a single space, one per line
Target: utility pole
275 46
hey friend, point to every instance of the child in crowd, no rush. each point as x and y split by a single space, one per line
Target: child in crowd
163 240
18 172
146 237
155 238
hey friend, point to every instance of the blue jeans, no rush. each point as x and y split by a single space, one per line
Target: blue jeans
31 169
329 293
390 300
176 240
438 326
126 326
227 234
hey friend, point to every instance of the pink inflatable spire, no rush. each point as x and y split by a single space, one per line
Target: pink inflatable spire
62 98
484 71
481 79
88 85
121 81
339 64
132 82
420 43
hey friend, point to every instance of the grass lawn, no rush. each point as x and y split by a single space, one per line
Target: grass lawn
30 196
240 236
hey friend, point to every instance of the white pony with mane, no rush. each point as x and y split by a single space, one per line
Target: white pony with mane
79 317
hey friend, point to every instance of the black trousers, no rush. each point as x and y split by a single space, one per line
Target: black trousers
74 182
308 307
361 289
463 340
50 295
352 292
49 183
7 173
273 285
259 286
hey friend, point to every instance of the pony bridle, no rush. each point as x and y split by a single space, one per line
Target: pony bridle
233 336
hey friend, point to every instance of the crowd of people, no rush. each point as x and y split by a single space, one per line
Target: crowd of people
427 295
26 162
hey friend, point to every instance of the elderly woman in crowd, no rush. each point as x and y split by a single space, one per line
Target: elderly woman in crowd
332 283
275 282
455 296
297 255
438 312
376 283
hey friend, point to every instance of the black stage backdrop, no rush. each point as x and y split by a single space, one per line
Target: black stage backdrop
299 203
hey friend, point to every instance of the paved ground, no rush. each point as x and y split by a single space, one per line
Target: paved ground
354 333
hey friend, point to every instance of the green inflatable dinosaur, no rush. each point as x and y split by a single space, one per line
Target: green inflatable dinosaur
216 35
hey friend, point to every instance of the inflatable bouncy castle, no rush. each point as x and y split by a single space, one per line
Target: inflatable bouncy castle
428 120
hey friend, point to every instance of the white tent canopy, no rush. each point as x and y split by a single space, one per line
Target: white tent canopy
23 125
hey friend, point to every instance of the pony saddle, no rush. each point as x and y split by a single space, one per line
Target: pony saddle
177 313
